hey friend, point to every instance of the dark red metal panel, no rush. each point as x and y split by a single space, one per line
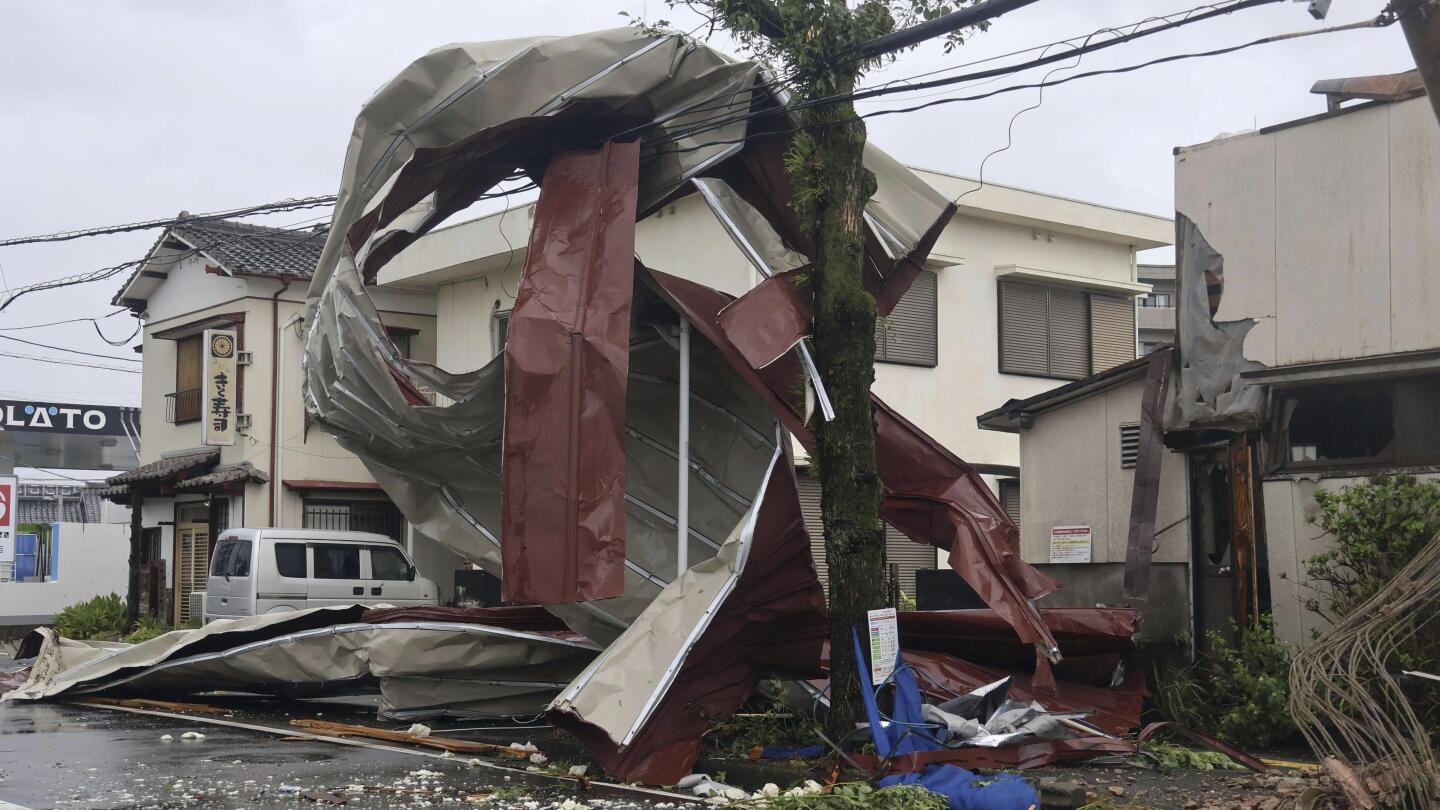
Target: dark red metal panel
773 623
566 363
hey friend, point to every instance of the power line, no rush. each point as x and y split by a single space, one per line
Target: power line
58 323
70 351
1380 21
77 363
279 206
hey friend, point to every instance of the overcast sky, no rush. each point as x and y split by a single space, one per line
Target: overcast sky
117 111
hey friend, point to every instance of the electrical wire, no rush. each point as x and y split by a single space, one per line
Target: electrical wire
76 363
69 351
279 206
58 323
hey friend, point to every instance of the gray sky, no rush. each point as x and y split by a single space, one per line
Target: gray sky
117 111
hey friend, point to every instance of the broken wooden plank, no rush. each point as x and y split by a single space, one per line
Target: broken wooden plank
429 741
147 703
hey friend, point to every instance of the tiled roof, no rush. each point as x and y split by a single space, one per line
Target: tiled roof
168 466
224 474
256 250
82 505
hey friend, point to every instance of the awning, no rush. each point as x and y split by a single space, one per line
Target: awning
157 476
309 484
223 476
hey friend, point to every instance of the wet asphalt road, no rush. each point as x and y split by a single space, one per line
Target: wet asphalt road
65 756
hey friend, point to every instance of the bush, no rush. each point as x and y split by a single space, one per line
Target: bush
147 628
1378 526
100 618
1238 691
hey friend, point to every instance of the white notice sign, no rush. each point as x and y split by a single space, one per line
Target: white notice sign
218 422
884 645
1070 544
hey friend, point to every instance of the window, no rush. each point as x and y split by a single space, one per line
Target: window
1157 300
1063 333
499 327
402 338
221 560
239 559
908 335
336 562
1129 444
290 560
1010 498
388 563
1386 422
1147 347
378 516
184 404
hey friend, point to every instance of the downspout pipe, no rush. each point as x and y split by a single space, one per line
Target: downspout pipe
682 457
285 282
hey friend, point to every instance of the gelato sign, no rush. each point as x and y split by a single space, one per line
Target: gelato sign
55 417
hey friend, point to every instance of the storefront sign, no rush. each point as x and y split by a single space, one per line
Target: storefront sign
1070 544
7 521
58 417
218 423
884 644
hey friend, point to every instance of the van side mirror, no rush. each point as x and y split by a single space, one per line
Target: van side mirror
410 573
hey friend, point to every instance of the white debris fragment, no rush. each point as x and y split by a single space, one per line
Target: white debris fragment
539 758
166 737
529 746
571 804
422 773
448 755
192 735
770 789
578 770
419 730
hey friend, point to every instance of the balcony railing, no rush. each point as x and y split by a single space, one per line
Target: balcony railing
183 406
1156 317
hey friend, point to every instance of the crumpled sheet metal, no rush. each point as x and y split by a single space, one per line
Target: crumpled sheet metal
567 356
931 494
704 644
1092 640
1209 390
490 670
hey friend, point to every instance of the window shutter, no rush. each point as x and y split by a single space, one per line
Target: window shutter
1024 334
1129 444
900 550
908 334
1010 498
1112 331
1069 334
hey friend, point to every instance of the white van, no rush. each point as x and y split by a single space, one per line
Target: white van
258 571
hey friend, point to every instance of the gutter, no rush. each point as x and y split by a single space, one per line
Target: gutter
285 282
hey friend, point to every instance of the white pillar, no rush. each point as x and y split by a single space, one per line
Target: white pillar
682 501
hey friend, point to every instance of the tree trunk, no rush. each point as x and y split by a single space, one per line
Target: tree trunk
137 530
845 353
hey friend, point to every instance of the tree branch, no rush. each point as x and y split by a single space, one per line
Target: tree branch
770 22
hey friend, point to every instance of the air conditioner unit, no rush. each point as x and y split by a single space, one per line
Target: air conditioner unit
197 607
243 421
244 358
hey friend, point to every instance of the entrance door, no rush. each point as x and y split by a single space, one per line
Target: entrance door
192 560
1227 548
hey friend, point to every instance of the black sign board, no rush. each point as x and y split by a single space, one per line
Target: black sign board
26 416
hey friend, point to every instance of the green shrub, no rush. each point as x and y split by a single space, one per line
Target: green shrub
1378 526
1237 691
147 628
100 618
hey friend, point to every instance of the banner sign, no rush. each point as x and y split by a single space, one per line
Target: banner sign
218 422
884 644
57 417
1070 544
8 506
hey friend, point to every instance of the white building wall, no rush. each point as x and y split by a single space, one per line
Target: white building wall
1311 216
92 561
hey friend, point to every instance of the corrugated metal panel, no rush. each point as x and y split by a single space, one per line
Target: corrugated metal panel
908 334
1069 334
909 556
1010 498
1129 444
1024 334
1112 331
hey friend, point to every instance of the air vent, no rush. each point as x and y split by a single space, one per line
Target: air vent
243 421
1129 444
244 358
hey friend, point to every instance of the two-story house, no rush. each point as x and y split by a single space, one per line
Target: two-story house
1022 292
279 472
1155 313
